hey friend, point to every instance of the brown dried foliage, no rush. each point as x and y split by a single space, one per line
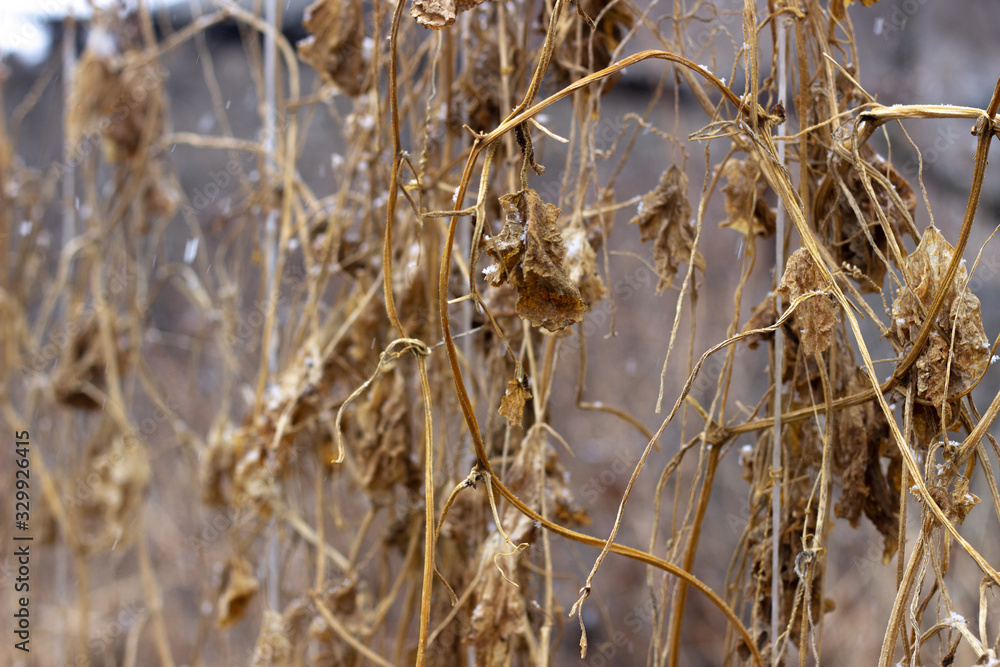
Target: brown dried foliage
512 405
437 14
957 353
816 318
238 590
528 253
747 210
861 240
329 441
664 215
335 47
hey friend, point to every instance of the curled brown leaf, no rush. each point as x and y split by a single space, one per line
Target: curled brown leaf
957 338
664 214
746 209
335 44
528 253
439 14
240 588
816 317
581 265
512 404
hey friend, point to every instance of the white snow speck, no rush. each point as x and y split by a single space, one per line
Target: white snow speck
190 250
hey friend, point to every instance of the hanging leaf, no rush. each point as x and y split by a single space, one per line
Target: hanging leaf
859 239
969 351
512 404
746 209
240 588
664 214
528 253
439 14
861 440
817 316
838 8
335 46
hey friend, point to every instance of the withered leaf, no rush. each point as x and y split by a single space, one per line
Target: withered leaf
860 440
334 47
838 8
102 85
439 14
666 204
664 215
963 500
592 48
241 586
512 404
581 265
501 619
847 233
528 252
746 209
384 438
970 350
88 362
762 316
817 316
116 494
